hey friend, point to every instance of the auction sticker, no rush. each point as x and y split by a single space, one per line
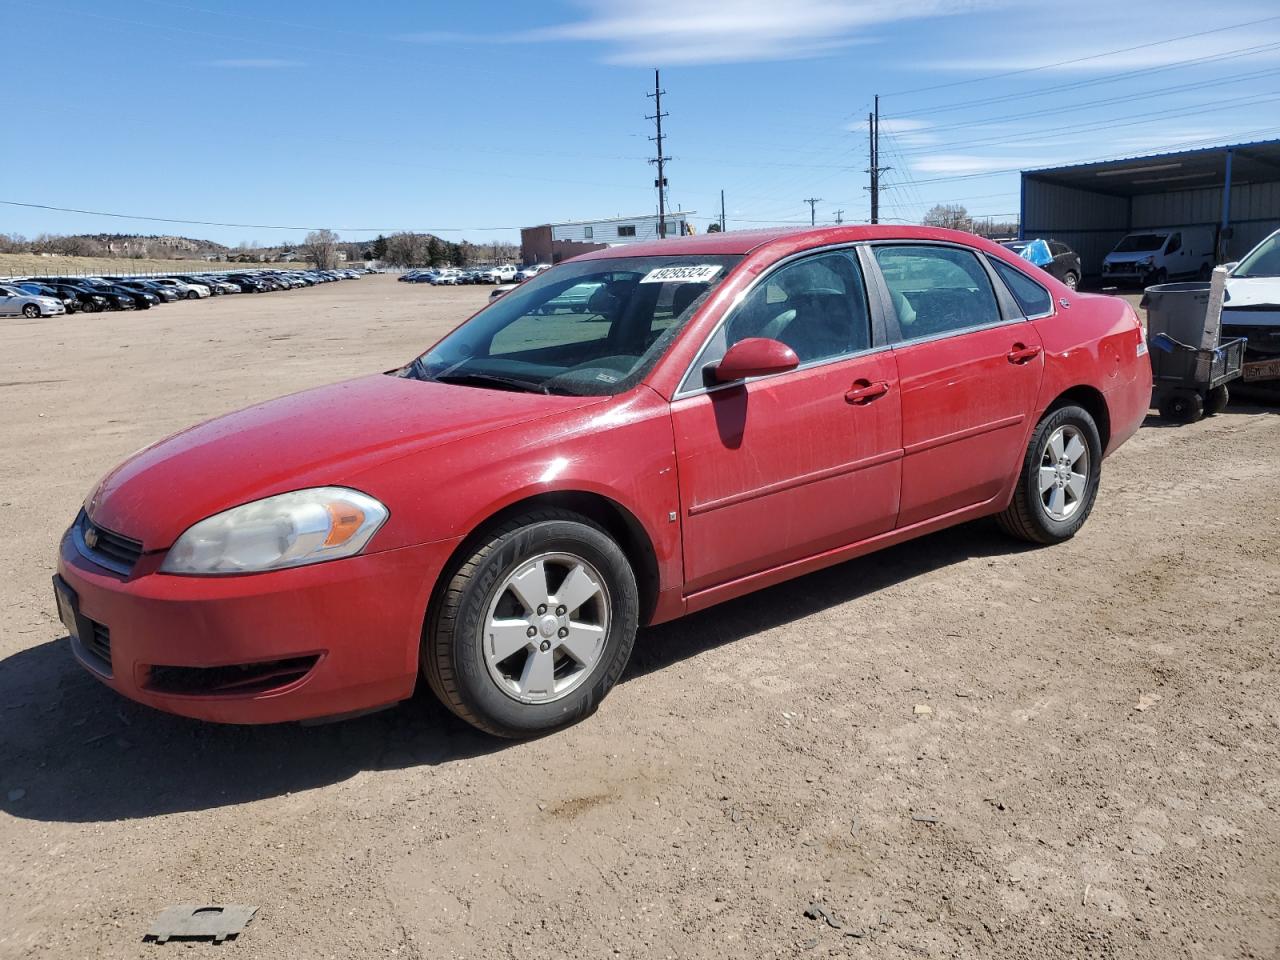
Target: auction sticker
693 273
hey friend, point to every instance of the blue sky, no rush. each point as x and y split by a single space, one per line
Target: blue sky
473 119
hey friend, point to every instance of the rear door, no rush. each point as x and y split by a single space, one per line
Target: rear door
969 368
782 467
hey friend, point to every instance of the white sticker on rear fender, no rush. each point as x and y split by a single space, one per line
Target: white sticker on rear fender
694 273
1142 348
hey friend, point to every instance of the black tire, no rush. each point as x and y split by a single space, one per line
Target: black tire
1216 400
1160 276
1071 279
192 295
31 311
91 307
452 652
1182 406
1205 272
1026 516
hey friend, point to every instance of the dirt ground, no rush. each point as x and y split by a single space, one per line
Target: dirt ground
1097 773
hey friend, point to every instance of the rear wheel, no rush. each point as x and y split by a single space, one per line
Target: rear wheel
1058 482
1071 279
31 311
534 627
1183 406
1216 400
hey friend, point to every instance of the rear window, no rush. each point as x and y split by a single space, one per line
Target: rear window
1034 299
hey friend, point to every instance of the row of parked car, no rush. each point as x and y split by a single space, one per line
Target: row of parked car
54 296
455 276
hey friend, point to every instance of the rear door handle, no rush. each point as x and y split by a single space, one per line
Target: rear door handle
864 391
1022 353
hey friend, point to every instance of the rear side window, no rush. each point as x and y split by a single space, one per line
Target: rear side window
1034 299
937 290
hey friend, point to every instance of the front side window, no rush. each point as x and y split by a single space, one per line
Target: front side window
1034 299
817 306
593 327
937 290
1175 243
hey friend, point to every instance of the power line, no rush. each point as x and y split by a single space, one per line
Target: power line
1094 56
1236 54
246 226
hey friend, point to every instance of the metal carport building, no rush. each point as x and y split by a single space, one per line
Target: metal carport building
1091 206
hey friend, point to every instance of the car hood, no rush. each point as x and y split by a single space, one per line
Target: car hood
324 436
1252 292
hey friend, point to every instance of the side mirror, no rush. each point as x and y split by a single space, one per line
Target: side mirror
755 357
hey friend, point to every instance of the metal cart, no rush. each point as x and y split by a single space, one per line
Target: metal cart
1191 382
1190 366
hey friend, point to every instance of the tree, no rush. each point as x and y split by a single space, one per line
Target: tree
378 249
713 228
407 250
950 215
320 247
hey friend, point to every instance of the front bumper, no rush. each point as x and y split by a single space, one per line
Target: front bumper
316 641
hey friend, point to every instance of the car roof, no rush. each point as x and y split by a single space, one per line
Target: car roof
742 242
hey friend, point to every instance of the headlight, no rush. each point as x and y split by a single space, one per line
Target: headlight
287 530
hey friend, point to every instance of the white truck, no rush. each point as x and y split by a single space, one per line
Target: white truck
1154 256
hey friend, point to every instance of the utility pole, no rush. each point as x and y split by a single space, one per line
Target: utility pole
661 159
873 127
722 211
813 204
839 217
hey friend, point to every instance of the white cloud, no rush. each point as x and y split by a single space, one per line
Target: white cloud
668 32
256 64
947 164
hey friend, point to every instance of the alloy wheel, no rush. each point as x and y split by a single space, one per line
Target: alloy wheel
1064 472
546 627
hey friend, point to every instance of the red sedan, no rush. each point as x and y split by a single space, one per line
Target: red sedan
631 436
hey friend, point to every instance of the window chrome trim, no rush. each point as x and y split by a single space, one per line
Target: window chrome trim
683 390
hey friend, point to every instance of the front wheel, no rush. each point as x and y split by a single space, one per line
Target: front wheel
534 627
1058 482
192 295
31 311
1216 400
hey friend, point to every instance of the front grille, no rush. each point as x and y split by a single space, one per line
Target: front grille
236 680
106 547
98 641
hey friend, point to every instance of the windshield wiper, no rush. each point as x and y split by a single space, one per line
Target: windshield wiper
492 380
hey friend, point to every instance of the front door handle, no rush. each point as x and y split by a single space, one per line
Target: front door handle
1021 353
864 391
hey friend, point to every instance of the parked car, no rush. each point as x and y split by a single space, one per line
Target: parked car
446 278
141 299
104 296
747 415
528 273
1251 309
189 291
163 293
1054 258
1155 256
89 301
16 302
69 303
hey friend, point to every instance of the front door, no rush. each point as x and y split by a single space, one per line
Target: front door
970 376
783 467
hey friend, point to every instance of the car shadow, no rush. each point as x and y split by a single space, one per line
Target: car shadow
72 750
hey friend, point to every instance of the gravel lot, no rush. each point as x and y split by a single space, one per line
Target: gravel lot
959 747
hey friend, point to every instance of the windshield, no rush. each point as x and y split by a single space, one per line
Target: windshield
1262 261
584 328
1141 243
